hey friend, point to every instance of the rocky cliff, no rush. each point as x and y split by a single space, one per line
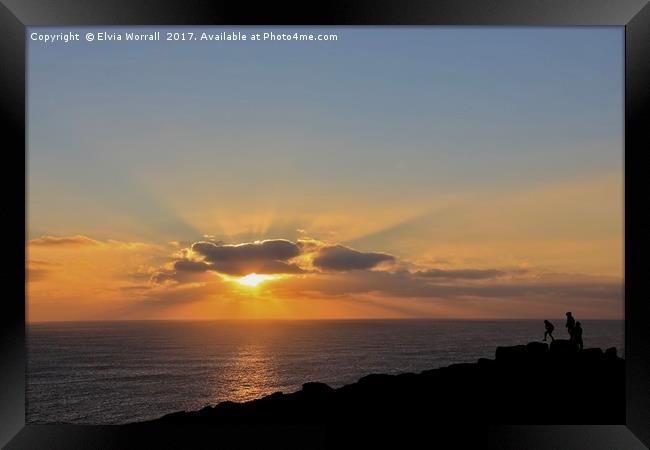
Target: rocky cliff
524 384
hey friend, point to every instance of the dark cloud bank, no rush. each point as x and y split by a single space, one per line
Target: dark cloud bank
340 258
267 257
466 274
272 256
341 271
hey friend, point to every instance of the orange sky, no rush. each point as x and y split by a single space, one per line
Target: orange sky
522 254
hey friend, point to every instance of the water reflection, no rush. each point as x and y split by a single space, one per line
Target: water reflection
249 374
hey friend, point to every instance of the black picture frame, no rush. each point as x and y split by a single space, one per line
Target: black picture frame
15 15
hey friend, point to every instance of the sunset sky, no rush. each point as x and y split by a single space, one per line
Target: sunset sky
397 172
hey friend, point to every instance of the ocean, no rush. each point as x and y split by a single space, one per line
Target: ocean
121 372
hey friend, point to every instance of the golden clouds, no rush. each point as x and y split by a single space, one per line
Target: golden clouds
79 277
79 240
65 241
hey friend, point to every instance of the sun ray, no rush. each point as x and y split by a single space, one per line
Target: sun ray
253 279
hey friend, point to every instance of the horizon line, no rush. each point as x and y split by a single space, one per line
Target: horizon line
311 320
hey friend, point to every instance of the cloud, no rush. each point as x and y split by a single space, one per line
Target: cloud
184 293
265 257
81 241
334 271
42 263
37 269
135 288
34 275
185 265
341 258
462 274
63 241
270 256
183 271
404 284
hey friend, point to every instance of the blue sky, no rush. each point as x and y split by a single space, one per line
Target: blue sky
419 108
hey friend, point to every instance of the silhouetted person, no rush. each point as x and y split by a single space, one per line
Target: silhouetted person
549 330
577 335
570 324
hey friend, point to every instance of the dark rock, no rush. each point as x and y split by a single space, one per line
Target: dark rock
511 354
536 349
592 354
525 384
563 347
276 395
461 366
485 361
316 388
374 378
406 377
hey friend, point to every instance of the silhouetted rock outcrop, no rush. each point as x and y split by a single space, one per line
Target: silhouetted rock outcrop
523 384
562 347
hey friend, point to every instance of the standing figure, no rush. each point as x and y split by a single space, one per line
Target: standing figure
549 330
570 325
577 335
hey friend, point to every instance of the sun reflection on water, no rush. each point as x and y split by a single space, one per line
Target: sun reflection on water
250 375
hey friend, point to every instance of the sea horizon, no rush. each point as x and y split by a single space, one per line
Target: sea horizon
341 319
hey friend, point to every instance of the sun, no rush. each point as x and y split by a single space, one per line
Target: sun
253 279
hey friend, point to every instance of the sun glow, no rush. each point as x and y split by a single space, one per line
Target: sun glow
253 279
